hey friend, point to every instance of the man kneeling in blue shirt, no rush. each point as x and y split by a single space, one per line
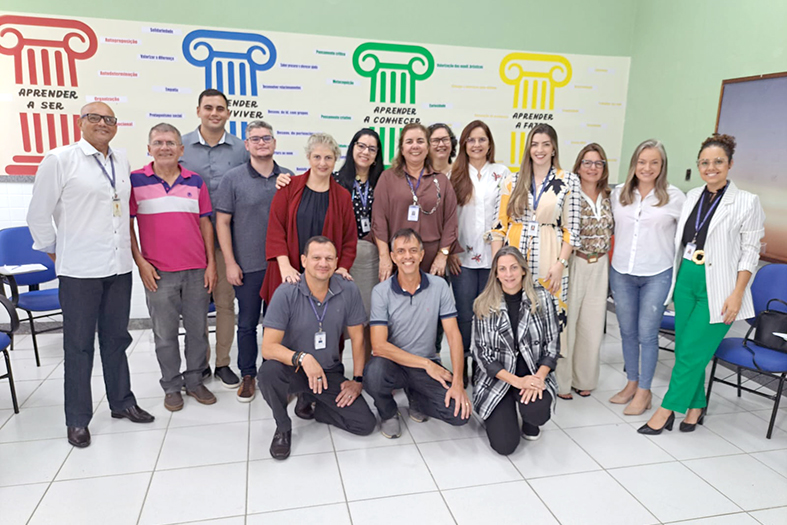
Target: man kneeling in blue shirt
300 347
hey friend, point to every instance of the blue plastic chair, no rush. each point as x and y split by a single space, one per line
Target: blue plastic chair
16 247
770 282
6 339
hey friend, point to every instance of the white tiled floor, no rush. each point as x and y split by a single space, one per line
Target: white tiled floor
210 464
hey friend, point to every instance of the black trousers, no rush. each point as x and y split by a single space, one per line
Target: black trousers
87 304
277 381
381 376
502 425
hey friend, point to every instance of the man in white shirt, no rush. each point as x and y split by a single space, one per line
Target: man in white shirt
85 188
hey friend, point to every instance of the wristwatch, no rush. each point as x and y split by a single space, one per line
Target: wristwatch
563 262
358 379
445 251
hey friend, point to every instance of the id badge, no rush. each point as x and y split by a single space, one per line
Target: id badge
412 213
365 225
532 228
319 341
116 209
688 253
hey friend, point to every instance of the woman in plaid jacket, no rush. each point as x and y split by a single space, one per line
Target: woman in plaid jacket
516 367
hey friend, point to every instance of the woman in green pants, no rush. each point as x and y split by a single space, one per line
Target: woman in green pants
717 251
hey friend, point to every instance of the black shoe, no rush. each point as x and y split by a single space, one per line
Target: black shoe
689 427
304 408
134 414
530 432
281 444
649 431
206 373
79 436
227 377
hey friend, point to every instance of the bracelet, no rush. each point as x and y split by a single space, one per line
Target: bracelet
295 358
301 358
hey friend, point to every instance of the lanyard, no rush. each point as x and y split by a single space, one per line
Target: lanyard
324 311
699 224
537 199
418 184
365 195
103 169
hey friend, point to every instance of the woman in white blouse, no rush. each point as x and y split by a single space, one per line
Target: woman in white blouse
716 252
646 210
476 179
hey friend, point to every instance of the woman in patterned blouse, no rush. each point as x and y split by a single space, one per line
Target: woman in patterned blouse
589 268
539 214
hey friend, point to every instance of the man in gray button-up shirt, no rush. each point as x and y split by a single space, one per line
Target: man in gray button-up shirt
211 152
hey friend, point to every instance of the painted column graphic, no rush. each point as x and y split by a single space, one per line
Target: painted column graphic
535 76
231 61
45 53
394 70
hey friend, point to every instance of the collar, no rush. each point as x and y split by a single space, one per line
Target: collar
202 141
334 288
89 150
397 288
254 173
148 170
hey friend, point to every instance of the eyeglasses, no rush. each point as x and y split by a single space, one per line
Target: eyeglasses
258 138
440 140
363 147
480 141
597 163
168 143
95 118
705 163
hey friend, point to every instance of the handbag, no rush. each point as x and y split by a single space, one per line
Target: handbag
770 331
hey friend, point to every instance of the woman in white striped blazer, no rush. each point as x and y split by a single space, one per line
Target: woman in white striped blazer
717 250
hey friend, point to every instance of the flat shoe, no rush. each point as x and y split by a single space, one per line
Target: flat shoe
580 392
567 397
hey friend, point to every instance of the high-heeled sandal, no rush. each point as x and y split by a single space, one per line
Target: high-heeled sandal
690 427
650 431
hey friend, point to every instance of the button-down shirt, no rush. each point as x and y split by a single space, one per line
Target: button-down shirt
645 232
71 187
477 217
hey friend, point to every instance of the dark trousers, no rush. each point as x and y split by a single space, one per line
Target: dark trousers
381 376
277 381
249 310
466 287
88 303
502 425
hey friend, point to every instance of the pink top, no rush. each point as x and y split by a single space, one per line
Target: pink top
169 231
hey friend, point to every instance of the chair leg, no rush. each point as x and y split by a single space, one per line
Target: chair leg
33 334
11 380
740 371
710 382
776 405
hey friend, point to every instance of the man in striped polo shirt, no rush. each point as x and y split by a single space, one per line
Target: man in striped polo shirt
176 261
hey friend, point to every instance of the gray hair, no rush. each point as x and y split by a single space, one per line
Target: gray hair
322 139
258 124
163 127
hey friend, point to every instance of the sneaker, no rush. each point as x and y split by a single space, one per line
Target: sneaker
227 377
202 395
206 373
417 416
246 391
173 401
391 428
530 432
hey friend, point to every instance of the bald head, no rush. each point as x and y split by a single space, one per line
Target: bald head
99 133
97 107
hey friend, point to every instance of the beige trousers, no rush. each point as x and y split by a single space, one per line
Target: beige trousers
587 308
224 299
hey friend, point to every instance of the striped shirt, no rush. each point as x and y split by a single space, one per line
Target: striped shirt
169 219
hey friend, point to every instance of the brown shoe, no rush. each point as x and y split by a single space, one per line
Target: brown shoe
640 403
202 395
173 401
246 390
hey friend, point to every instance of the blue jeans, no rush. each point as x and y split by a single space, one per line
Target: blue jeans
639 306
466 287
249 310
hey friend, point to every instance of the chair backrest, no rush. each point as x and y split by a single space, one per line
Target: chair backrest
16 247
770 282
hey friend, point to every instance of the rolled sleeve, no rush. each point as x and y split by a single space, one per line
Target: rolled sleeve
47 189
752 232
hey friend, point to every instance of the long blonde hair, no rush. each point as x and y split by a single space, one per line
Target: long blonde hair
490 300
627 194
518 203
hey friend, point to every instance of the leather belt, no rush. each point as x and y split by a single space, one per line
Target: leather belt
589 257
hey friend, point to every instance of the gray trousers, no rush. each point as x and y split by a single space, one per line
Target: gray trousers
278 380
180 294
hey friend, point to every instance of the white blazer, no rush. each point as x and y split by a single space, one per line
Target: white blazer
732 245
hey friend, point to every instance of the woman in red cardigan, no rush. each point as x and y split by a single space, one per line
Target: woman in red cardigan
312 204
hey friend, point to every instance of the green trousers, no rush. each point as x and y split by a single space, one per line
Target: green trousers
696 339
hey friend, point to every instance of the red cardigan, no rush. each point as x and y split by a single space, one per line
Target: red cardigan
282 236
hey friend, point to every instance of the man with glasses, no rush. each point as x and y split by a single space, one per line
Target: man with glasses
211 152
79 216
243 203
176 262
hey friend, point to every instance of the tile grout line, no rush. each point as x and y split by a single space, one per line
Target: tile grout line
339 470
150 482
248 458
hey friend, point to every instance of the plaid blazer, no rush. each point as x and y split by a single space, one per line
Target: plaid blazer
493 347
